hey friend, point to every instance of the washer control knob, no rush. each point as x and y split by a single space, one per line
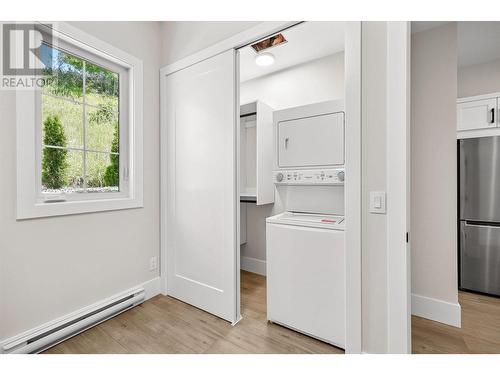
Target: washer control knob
341 176
279 176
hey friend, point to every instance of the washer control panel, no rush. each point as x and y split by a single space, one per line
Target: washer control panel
309 177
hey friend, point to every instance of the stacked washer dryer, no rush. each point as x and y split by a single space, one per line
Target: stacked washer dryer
305 244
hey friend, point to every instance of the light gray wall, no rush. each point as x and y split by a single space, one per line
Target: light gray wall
434 163
52 266
374 249
479 79
183 38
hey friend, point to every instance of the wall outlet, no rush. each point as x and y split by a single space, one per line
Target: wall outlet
153 263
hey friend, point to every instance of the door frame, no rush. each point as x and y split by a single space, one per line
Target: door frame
398 188
353 161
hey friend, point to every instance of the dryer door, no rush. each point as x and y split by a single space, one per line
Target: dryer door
311 141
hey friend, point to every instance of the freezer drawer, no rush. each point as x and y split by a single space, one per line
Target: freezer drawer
480 258
311 141
306 280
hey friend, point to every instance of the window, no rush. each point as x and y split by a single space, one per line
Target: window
86 125
80 126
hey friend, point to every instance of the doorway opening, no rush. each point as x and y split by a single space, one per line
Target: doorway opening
291 181
455 140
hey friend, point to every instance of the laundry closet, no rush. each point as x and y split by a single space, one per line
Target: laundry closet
260 181
292 157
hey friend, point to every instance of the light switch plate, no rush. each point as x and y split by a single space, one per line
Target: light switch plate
377 202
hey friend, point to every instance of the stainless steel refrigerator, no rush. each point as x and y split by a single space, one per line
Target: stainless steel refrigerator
479 207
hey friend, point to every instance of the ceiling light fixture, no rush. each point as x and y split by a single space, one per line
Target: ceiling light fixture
264 59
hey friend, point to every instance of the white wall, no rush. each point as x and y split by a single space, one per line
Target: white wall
434 164
373 133
183 38
52 266
479 79
312 82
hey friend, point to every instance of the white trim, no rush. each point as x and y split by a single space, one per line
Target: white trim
28 205
237 190
467 99
253 265
398 172
163 182
352 103
151 289
477 133
241 39
237 321
438 310
353 158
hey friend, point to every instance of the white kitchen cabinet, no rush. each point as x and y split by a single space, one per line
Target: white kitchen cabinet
256 153
310 136
477 114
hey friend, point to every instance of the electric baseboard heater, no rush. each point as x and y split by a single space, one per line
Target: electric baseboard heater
52 334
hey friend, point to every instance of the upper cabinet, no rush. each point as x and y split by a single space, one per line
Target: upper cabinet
256 153
473 114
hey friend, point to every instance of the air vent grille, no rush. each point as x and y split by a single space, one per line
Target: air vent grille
270 42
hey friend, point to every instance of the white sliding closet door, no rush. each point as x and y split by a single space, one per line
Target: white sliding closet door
201 185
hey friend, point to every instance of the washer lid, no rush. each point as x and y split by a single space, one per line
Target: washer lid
310 220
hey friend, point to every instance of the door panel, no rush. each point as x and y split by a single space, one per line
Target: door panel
480 258
480 179
306 280
477 114
311 141
201 194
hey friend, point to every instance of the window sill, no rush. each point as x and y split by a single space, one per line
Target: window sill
48 209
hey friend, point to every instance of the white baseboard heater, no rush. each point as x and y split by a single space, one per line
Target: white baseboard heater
53 333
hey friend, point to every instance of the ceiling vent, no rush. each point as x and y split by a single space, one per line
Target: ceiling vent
270 42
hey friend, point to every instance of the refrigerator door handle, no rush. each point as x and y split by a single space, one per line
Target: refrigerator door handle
469 223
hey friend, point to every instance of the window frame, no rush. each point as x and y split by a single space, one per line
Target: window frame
31 202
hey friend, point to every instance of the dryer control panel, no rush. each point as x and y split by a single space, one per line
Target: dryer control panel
309 177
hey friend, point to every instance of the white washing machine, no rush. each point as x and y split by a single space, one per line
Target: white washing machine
306 274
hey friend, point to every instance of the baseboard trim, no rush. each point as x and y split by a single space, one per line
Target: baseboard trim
435 309
151 288
253 265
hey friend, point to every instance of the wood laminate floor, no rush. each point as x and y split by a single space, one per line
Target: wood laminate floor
166 325
480 332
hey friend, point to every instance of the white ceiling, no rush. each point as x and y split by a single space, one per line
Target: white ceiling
306 41
478 42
